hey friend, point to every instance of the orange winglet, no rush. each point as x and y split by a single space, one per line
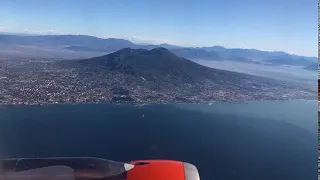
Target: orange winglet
156 170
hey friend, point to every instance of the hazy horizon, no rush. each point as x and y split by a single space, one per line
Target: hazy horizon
264 25
142 43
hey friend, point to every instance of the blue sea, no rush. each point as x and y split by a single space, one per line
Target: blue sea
265 140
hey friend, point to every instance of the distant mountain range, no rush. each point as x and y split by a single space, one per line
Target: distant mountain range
78 41
312 67
85 43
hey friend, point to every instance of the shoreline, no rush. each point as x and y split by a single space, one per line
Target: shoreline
144 104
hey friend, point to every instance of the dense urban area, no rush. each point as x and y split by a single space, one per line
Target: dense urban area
36 81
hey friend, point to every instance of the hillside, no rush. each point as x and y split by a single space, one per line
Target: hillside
161 63
312 67
160 75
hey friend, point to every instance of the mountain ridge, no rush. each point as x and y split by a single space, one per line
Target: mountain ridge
108 45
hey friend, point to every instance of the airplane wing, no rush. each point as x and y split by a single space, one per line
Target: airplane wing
86 168
45 173
82 167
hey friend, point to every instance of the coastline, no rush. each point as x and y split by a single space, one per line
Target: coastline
148 104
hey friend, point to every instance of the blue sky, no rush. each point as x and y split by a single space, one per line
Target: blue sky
282 25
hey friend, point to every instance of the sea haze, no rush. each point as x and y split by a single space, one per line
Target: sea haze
294 74
254 140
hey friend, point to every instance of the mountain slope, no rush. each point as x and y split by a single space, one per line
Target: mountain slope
192 53
161 62
161 76
312 67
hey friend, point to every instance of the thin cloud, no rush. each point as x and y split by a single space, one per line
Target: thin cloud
2 28
42 32
140 39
